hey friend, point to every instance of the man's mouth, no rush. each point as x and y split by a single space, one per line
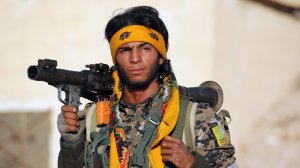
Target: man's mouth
136 71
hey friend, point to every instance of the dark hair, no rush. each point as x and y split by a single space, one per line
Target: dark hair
140 15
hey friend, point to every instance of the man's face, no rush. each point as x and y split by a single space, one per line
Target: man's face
137 64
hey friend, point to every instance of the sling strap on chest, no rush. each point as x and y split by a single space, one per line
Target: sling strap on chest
139 157
183 108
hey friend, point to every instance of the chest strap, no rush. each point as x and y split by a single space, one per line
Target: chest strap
184 106
139 157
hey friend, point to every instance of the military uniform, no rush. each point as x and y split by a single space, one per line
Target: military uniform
211 141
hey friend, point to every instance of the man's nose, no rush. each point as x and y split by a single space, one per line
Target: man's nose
135 56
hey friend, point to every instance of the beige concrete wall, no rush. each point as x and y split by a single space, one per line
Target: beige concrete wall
24 139
256 60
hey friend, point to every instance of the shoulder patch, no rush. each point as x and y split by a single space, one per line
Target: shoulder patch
221 135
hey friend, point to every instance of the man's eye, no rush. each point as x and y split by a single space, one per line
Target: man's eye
146 48
122 50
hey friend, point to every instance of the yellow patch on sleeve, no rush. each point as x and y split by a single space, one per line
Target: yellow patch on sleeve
221 135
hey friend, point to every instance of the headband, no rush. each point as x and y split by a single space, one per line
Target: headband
137 33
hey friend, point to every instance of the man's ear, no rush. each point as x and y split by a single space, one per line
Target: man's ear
161 60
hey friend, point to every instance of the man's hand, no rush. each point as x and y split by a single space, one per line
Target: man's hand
70 117
174 151
69 124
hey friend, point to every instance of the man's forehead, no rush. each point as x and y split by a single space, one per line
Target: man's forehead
135 43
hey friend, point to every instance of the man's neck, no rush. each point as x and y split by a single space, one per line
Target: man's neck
137 96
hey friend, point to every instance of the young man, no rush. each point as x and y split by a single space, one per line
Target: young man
146 97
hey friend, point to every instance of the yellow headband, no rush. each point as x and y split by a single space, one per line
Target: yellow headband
137 33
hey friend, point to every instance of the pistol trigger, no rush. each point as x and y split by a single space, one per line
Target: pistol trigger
60 89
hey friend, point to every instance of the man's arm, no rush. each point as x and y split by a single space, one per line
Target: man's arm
71 153
72 130
212 138
211 145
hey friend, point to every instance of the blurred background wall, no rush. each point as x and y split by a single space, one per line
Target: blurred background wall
251 48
